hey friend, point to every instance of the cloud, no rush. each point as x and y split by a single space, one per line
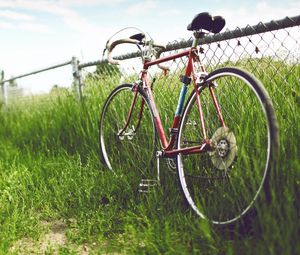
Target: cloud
170 12
26 26
261 12
57 8
269 12
141 7
57 11
18 19
16 15
89 2
5 25
34 27
14 3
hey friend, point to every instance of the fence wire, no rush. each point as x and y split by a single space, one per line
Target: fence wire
270 51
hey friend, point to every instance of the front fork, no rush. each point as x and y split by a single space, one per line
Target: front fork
135 90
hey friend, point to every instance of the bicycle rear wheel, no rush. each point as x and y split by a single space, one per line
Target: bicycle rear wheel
221 185
129 149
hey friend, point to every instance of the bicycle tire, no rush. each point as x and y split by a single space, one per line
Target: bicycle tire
222 185
132 151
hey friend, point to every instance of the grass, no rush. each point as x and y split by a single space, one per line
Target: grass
50 172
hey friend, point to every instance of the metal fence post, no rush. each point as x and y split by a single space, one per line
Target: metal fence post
5 94
3 91
1 88
77 83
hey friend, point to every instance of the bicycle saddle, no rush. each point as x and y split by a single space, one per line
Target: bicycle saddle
139 37
205 21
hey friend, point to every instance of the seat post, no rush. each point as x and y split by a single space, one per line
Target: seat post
196 39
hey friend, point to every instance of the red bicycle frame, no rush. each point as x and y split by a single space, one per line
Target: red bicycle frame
168 146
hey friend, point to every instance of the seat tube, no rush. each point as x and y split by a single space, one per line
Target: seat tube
198 100
188 72
183 92
181 99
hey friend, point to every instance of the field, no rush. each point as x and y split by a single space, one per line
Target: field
57 198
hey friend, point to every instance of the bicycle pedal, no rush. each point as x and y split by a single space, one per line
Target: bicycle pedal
147 184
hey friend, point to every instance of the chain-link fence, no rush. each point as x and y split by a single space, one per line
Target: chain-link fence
271 51
11 92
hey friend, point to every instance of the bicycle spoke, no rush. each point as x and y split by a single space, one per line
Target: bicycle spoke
124 134
223 182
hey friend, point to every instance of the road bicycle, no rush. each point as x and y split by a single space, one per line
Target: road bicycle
223 139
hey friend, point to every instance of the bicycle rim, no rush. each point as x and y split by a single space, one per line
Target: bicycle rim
222 185
130 151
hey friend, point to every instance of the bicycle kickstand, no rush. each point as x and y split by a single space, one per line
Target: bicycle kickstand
146 184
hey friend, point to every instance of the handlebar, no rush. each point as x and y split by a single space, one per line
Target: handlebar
112 45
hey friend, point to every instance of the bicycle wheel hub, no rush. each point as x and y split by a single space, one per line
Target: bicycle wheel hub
171 162
225 148
129 133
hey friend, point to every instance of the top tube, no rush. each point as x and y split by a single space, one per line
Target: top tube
147 64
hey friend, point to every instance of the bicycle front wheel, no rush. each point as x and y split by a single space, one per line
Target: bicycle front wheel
127 138
222 184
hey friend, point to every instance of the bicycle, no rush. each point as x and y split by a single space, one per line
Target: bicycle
222 142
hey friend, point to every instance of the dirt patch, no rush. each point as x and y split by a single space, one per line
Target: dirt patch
55 238
50 242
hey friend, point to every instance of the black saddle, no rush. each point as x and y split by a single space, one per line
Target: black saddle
207 22
139 37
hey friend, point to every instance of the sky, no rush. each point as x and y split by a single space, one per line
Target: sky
39 33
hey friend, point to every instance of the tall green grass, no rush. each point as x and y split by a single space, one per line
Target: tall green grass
50 170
